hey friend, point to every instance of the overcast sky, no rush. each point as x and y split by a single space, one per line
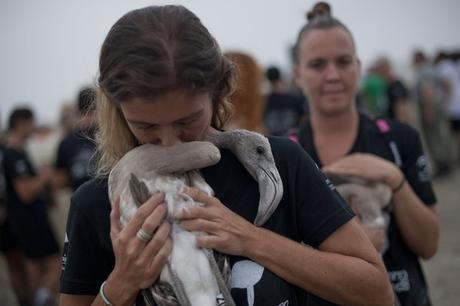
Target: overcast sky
50 48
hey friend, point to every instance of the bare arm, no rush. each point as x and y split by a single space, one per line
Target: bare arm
29 188
345 263
138 263
418 223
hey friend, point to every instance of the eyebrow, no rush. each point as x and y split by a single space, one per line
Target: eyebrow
191 116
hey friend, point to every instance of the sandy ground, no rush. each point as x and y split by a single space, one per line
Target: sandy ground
443 270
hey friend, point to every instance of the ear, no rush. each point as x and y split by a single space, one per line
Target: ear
360 67
296 73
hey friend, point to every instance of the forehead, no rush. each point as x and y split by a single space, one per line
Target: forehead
326 42
165 108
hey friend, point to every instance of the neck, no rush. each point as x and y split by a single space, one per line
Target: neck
335 124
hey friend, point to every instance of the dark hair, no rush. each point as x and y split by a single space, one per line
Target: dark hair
320 22
19 114
320 8
86 100
273 74
156 49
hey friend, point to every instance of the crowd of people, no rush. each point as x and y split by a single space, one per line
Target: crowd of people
328 120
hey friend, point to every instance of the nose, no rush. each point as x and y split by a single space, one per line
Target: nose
168 136
332 73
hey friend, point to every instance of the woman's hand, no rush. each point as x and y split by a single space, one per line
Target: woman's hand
367 166
223 230
138 263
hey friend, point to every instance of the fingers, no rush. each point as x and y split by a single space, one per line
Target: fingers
199 225
143 213
160 259
153 221
155 245
200 196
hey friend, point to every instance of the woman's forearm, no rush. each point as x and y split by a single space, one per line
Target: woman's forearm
346 279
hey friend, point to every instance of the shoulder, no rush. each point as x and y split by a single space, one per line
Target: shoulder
283 148
290 156
91 197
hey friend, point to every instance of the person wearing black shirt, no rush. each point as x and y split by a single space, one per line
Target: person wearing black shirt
396 92
283 110
179 95
75 152
342 141
27 209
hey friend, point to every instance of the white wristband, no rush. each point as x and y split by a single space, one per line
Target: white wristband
103 296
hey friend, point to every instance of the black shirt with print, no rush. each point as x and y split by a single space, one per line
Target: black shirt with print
402 264
309 212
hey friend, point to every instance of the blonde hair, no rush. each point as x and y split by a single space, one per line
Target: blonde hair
150 52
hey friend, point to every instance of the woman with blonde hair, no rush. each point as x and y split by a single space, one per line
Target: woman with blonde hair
164 80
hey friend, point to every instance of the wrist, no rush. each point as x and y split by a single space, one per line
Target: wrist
117 293
394 178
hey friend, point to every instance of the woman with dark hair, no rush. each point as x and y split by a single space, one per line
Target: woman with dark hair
164 80
345 142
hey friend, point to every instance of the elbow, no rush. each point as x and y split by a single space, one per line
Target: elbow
386 296
430 249
429 252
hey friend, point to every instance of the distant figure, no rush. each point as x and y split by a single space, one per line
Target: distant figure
428 94
451 82
283 110
27 209
247 98
7 296
397 92
76 150
374 95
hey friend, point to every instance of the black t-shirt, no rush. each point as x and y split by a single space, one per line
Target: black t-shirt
396 91
402 264
28 222
308 212
283 111
17 165
75 155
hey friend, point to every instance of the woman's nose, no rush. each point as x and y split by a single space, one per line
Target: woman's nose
332 73
168 136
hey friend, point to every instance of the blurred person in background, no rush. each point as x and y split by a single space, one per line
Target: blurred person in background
74 162
27 210
428 95
342 141
398 97
247 99
67 117
373 94
283 110
451 82
7 295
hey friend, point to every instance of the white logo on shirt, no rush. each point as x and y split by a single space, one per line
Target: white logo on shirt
400 280
422 167
245 275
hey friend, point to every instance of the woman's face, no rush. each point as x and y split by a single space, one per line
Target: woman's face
164 120
328 70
